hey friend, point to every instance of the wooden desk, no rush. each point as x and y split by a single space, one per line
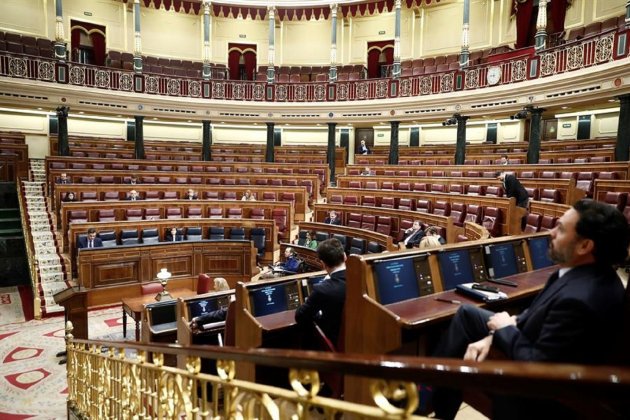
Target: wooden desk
279 321
133 307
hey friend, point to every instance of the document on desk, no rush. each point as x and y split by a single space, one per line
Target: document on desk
467 289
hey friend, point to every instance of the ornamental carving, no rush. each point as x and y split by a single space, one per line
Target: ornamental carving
126 82
519 70
259 92
381 89
151 84
172 86
446 82
320 93
575 57
342 91
362 90
102 79
405 87
218 90
17 67
425 85
46 70
604 48
472 79
194 89
300 93
547 64
281 92
238 91
77 75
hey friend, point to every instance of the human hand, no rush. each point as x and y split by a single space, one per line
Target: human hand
500 320
478 351
194 326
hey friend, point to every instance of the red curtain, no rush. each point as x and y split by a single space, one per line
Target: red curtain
558 12
75 42
249 54
374 52
98 42
523 20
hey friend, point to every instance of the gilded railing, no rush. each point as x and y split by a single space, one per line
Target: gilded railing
108 380
30 251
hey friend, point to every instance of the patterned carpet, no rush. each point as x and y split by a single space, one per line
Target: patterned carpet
32 383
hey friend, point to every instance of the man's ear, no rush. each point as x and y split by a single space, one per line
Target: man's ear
585 246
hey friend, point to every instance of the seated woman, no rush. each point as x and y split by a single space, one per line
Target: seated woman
248 196
310 242
174 235
69 197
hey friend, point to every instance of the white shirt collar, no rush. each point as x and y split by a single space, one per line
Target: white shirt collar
340 267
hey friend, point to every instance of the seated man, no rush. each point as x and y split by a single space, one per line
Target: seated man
197 323
174 235
324 306
413 235
190 194
573 320
89 241
133 196
291 262
366 172
63 179
332 218
132 181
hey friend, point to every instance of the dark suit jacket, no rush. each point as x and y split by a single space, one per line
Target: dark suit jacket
213 316
364 150
137 199
328 297
573 320
337 221
513 188
415 238
83 242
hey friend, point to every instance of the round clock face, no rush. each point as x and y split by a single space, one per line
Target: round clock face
494 75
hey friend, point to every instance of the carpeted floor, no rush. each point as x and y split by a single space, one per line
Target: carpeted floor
32 383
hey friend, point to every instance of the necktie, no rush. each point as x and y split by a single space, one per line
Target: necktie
90 244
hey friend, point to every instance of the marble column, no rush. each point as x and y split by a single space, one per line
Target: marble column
627 13
623 129
269 154
541 25
332 73
535 135
207 71
271 72
464 54
206 148
330 151
139 143
396 66
460 146
137 39
63 148
60 42
393 143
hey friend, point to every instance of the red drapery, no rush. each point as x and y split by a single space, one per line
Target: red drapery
525 19
98 42
248 51
96 33
374 51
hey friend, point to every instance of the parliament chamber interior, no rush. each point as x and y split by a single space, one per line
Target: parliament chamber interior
148 147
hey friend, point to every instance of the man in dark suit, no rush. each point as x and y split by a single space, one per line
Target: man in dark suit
324 306
63 179
413 235
132 181
133 196
332 218
174 235
575 319
90 241
513 188
363 149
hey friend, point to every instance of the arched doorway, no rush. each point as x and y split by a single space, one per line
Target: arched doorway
242 61
380 56
87 43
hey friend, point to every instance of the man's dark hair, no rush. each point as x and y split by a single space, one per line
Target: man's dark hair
91 230
497 173
331 252
606 227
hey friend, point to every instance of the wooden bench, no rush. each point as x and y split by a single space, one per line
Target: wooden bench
110 273
511 214
384 241
206 191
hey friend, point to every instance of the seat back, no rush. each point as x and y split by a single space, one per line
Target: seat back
617 199
387 202
235 213
108 238
423 206
458 213
151 288
217 233
150 236
237 233
442 208
257 235
550 195
203 283
354 220
357 246
533 223
368 222
384 225
492 220
129 237
194 233
106 215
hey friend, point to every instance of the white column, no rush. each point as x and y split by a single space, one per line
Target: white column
206 72
396 67
137 39
271 72
541 25
332 75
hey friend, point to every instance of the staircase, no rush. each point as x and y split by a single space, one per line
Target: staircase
50 266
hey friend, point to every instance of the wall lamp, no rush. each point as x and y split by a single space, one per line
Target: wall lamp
451 121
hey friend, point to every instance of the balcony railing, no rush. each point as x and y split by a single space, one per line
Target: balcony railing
587 52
